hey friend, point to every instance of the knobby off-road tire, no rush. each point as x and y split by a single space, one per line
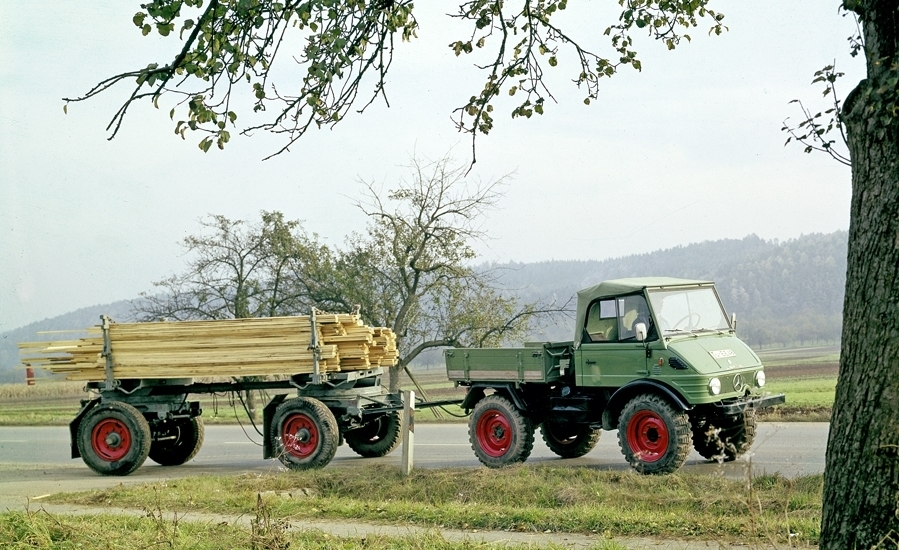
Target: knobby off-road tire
304 433
176 441
114 439
569 440
724 438
653 435
500 435
377 438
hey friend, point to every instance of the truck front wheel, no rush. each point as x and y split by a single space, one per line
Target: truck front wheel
724 438
377 438
500 435
304 433
569 440
654 436
114 439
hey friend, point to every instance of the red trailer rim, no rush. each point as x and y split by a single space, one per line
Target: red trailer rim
494 433
111 439
647 436
299 435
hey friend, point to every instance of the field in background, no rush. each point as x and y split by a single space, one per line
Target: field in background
806 375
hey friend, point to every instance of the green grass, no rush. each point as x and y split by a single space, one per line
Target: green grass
806 392
581 500
29 530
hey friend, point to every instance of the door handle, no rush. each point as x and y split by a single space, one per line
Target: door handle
590 362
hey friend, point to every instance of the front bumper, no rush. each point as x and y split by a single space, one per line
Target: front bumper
752 403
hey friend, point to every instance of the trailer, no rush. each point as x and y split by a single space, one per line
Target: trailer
132 418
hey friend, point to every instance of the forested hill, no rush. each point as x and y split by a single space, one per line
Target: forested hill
783 292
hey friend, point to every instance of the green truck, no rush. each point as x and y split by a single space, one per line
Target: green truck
656 358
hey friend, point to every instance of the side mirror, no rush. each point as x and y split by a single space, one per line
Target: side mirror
640 330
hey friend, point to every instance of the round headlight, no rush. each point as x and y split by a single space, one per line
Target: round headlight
714 386
760 378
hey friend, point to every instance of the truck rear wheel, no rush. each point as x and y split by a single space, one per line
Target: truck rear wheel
304 433
377 438
500 435
724 438
114 439
654 436
177 441
569 440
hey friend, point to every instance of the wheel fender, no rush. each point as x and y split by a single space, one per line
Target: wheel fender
267 413
86 407
477 392
625 393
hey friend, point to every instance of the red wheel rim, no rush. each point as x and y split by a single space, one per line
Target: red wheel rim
299 434
494 433
647 436
111 439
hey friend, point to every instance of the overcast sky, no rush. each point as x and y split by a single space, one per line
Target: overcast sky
688 150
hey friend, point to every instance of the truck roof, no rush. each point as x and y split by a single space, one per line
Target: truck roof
617 287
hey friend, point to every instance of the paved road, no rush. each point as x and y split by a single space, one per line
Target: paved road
35 461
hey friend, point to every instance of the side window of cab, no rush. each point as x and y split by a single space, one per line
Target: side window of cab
632 310
602 321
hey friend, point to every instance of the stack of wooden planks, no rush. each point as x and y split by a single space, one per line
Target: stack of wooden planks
231 347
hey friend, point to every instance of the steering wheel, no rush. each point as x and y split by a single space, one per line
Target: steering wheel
689 318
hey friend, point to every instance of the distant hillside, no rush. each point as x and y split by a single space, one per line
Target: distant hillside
80 318
783 292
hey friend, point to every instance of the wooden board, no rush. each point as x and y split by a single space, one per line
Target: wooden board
227 347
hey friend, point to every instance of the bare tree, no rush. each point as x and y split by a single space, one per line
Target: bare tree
413 265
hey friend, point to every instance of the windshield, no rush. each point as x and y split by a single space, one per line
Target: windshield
688 309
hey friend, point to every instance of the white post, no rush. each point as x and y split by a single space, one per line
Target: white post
408 430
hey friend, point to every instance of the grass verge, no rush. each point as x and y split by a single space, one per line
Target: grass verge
767 508
28 530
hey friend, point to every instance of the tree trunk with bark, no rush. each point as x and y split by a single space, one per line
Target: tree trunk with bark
861 480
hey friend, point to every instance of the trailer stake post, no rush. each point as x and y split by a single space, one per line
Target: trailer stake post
316 351
111 382
408 430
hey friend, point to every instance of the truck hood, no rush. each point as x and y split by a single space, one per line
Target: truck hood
714 353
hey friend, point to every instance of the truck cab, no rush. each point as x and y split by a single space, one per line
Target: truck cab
655 358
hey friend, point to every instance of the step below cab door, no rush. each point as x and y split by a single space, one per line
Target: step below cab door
609 354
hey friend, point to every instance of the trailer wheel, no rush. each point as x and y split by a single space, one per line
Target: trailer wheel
654 436
500 435
724 438
569 440
176 442
377 438
114 439
305 433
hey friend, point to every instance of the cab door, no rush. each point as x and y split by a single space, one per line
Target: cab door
610 356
